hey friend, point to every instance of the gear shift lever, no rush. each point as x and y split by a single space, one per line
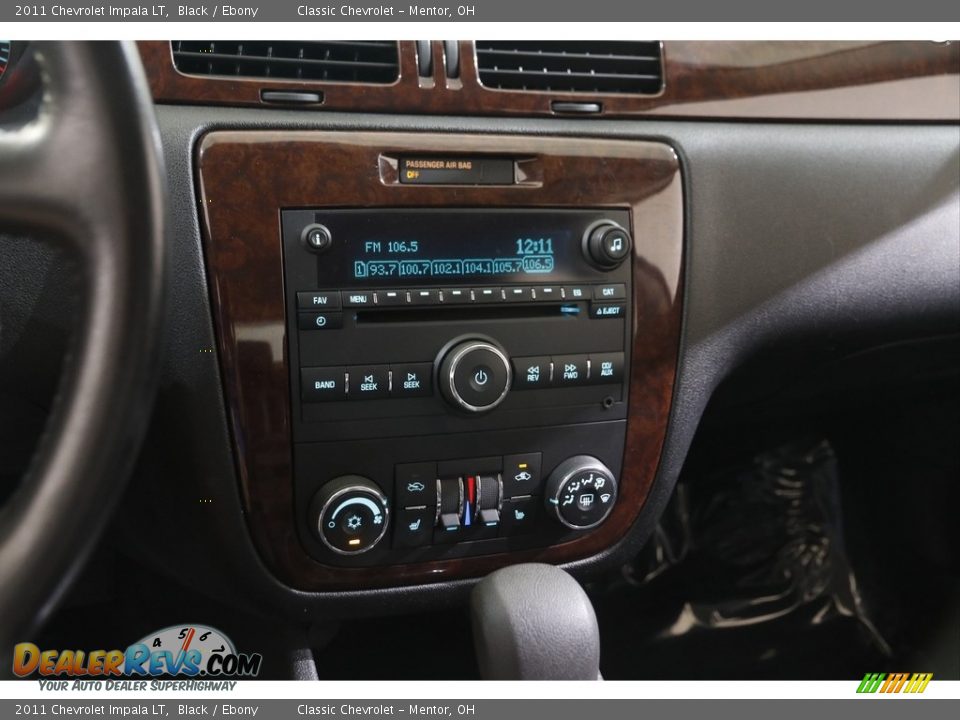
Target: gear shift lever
534 622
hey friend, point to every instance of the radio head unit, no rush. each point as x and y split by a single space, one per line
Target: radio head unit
442 345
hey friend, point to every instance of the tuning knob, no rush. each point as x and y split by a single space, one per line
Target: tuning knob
606 245
581 492
351 514
475 376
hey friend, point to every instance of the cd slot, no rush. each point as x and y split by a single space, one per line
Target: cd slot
471 312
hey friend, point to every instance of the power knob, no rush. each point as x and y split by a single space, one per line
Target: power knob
475 376
606 245
581 492
350 514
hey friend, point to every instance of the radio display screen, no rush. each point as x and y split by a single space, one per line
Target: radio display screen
455 247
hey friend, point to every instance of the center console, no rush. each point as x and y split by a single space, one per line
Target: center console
441 354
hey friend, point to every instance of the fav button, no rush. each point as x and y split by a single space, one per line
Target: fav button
368 382
319 300
411 380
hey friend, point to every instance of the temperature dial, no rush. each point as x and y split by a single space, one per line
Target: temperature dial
581 492
351 514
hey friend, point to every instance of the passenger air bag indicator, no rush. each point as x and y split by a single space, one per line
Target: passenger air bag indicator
456 171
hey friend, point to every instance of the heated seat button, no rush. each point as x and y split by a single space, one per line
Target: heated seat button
322 384
530 373
606 368
570 370
519 515
411 380
368 382
414 527
416 485
521 475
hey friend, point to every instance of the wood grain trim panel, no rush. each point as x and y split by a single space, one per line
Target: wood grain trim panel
245 178
865 81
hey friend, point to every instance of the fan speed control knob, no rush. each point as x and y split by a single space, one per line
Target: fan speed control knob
350 515
581 492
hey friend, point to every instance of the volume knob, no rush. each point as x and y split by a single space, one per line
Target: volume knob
475 376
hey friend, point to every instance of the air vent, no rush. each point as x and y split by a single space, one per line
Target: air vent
373 62
632 68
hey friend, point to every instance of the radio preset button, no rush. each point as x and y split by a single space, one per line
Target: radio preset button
571 370
420 296
608 311
368 382
518 294
320 321
388 298
322 384
547 293
455 296
606 368
411 380
485 295
357 298
319 300
530 373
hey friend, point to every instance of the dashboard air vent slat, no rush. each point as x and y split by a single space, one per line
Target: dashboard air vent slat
624 67
372 62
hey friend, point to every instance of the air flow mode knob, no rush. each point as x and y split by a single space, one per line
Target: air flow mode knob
581 492
606 245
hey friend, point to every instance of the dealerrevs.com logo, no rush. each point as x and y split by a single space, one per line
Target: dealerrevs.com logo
179 650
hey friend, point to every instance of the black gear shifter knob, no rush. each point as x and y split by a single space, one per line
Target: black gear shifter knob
534 622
